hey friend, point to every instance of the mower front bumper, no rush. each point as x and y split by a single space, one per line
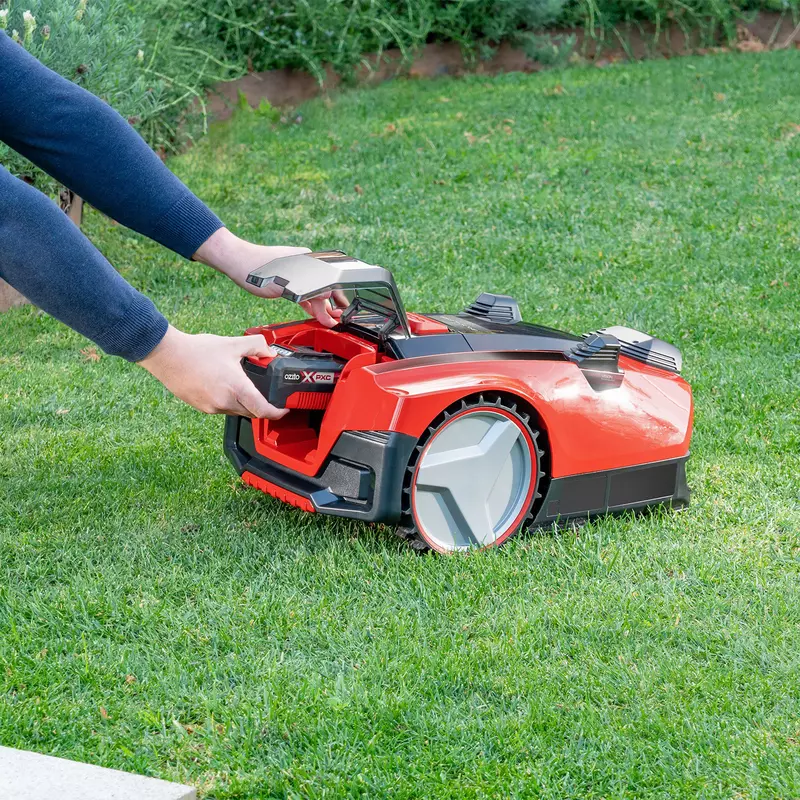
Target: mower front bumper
362 477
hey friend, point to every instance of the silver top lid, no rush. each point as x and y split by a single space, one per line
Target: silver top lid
309 275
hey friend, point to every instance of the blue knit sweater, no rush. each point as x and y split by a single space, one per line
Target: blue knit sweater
88 147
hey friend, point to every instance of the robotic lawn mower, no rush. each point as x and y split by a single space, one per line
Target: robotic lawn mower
459 428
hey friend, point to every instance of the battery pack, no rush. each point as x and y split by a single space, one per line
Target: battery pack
297 377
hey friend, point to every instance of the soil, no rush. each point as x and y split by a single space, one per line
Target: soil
9 297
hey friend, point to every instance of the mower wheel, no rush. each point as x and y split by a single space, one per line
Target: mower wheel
473 478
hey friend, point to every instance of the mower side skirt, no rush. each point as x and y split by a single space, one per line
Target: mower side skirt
614 491
362 478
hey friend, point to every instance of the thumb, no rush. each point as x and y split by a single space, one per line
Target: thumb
252 345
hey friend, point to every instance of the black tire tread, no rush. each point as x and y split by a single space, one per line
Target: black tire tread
406 529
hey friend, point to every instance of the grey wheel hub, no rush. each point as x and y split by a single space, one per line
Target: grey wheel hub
473 480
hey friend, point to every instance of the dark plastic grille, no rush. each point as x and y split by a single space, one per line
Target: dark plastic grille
498 308
597 351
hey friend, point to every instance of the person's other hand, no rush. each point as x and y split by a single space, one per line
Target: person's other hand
205 371
237 258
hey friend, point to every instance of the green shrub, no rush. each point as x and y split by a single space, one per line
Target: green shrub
492 21
307 34
714 19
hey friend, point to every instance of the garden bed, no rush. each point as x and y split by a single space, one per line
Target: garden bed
633 41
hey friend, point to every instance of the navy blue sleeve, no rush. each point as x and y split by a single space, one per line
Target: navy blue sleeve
44 255
87 146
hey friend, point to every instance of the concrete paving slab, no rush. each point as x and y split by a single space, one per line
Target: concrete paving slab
32 776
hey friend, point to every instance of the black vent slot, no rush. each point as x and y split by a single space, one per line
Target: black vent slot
646 349
499 308
598 358
381 437
597 351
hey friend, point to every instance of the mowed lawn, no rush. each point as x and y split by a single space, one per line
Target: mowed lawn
158 616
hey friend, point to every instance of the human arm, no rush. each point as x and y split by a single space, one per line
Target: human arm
87 146
46 257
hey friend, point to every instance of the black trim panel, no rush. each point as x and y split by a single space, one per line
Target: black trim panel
461 323
579 494
614 491
523 342
362 478
432 344
642 485
433 360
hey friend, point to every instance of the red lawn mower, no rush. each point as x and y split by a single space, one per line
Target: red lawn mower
460 429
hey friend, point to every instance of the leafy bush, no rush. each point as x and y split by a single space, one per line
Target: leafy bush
98 45
491 21
714 19
310 33
712 16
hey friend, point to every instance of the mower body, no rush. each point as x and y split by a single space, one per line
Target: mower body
462 428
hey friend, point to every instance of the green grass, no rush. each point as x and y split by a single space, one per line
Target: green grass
276 654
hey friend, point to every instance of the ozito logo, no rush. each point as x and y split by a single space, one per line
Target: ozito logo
292 377
312 376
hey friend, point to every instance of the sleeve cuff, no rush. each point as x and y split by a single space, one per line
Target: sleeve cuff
136 334
186 225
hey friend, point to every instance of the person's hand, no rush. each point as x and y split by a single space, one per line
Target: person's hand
237 258
205 372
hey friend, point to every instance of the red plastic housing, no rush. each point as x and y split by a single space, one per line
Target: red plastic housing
647 419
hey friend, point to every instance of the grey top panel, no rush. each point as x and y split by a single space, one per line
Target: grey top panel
303 277
646 348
